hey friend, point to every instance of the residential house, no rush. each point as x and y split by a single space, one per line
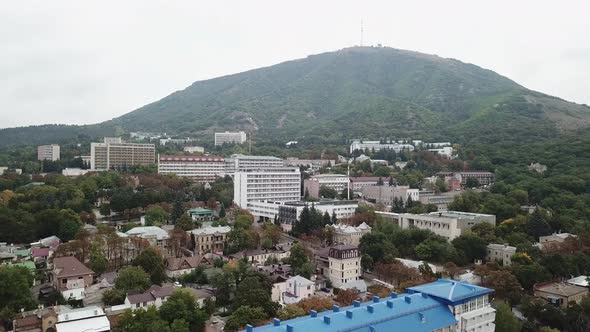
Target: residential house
38 320
71 277
560 294
209 239
292 290
154 235
84 319
201 214
155 296
176 267
346 234
500 253
342 265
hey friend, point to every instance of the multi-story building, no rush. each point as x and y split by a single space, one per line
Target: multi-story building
164 141
441 200
208 239
194 149
440 306
358 183
48 152
377 145
446 151
289 213
314 164
500 253
448 224
484 178
113 153
386 193
337 182
227 137
553 241
560 294
242 163
282 184
71 277
351 235
155 236
196 168
342 265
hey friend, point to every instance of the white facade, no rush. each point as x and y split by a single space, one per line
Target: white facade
269 209
446 151
48 152
476 315
279 184
293 290
376 145
114 153
243 163
500 252
448 224
227 137
194 149
344 266
337 182
197 168
73 172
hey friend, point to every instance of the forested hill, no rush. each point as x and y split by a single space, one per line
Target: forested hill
366 92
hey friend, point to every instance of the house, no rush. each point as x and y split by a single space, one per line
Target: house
443 305
84 319
560 294
260 256
201 214
209 239
155 295
41 254
416 264
276 272
552 241
176 267
201 294
500 253
51 242
38 320
346 234
71 277
292 290
581 281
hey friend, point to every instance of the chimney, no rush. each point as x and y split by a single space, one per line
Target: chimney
336 308
327 320
390 304
356 303
348 314
276 322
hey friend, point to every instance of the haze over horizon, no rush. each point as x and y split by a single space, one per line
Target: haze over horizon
79 63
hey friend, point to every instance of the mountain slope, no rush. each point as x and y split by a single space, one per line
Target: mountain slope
357 92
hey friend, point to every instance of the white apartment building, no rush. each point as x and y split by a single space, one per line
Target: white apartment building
114 153
48 152
448 224
201 169
446 151
385 194
337 182
377 145
227 137
242 163
500 253
277 184
194 149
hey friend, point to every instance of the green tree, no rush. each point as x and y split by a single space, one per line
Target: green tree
327 192
244 315
537 225
142 321
177 210
113 296
15 293
155 215
185 223
472 183
180 325
505 320
254 290
98 262
181 305
132 278
469 248
151 260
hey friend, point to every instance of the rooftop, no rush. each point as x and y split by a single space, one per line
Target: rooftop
497 246
192 158
450 291
560 288
409 312
343 228
579 281
211 230
69 266
148 231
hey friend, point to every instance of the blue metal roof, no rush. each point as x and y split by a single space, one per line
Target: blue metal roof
451 291
404 313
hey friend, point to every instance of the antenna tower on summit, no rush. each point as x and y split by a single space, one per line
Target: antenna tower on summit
361 32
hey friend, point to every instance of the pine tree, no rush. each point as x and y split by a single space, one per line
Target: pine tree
326 220
537 224
177 210
334 218
222 212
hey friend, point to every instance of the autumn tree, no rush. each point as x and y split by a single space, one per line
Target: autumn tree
346 297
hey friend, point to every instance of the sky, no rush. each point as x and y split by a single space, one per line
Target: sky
82 62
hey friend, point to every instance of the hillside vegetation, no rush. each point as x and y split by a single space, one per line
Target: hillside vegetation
355 92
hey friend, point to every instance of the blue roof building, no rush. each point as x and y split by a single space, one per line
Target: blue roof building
443 305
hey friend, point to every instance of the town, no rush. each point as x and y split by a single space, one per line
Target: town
153 230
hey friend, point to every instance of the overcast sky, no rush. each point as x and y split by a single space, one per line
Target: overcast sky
75 62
